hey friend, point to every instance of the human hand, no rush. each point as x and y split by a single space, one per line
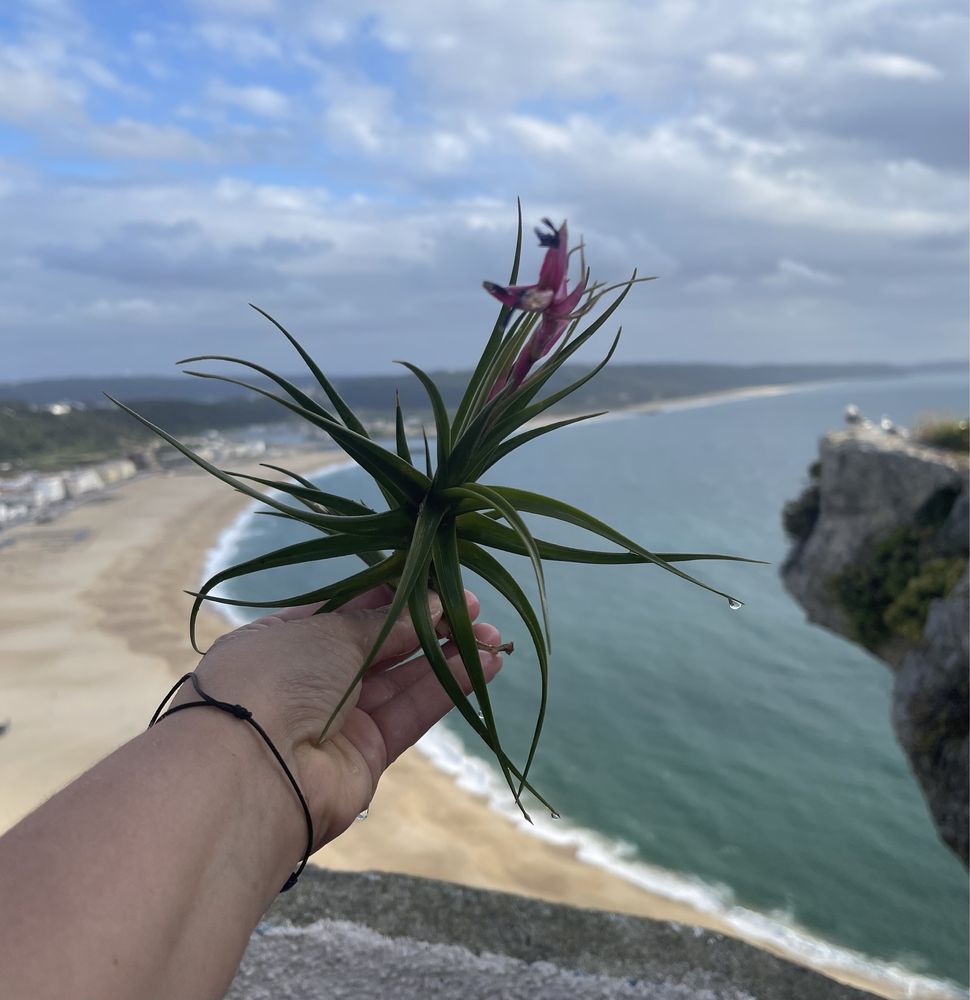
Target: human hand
291 669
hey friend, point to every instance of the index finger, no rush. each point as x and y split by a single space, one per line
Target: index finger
379 597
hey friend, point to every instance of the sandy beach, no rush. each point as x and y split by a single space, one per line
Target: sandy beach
93 626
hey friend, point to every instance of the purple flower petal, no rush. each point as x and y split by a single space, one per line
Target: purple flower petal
508 295
556 262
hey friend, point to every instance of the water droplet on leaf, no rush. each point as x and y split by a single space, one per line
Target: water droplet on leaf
363 815
734 605
554 815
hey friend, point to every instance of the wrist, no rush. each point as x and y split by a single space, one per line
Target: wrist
250 700
227 754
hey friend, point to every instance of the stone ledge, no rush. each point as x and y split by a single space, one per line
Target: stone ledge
375 935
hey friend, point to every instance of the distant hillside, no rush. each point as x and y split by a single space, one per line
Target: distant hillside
32 437
185 405
642 381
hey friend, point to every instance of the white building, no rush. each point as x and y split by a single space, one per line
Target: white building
12 510
116 470
16 484
49 489
83 481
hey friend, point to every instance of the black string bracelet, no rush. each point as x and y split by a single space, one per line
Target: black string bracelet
246 716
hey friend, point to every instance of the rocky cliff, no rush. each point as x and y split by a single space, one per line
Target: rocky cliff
879 555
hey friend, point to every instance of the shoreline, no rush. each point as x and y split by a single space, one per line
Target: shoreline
673 404
100 663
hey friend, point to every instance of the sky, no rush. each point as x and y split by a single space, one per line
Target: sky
794 172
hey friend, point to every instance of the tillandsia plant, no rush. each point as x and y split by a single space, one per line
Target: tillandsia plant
440 516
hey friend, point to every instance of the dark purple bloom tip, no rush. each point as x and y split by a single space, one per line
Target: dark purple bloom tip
530 298
550 239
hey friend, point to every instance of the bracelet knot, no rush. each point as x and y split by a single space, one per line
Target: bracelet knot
243 713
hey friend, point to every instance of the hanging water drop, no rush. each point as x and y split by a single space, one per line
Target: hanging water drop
554 815
363 815
481 716
735 604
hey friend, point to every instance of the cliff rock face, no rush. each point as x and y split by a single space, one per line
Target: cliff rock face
880 542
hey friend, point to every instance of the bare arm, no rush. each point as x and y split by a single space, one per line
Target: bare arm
146 876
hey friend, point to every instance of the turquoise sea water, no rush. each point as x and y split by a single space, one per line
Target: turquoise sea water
746 753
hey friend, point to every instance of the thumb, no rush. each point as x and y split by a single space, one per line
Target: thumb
367 624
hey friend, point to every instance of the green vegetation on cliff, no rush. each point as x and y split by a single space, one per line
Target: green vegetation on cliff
888 596
947 435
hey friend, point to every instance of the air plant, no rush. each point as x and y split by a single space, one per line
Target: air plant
440 516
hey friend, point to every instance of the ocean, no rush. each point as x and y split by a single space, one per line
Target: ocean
742 761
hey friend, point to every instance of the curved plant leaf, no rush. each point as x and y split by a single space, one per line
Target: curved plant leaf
291 555
333 522
335 504
493 572
490 498
400 434
295 393
451 590
414 575
405 481
475 383
346 414
383 572
536 503
441 424
481 528
424 627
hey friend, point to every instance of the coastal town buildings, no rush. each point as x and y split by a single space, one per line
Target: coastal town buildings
38 496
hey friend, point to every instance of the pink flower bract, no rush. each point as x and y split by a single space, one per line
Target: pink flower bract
549 296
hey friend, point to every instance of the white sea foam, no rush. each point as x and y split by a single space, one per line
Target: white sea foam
777 931
223 553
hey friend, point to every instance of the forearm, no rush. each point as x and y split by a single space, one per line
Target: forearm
148 874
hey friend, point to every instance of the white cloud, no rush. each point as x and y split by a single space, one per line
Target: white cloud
542 136
360 116
129 139
239 40
792 274
712 284
257 100
892 66
720 174
132 308
28 89
239 8
326 29
96 73
729 66
446 152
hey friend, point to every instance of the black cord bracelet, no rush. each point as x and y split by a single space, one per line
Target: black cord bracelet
246 716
